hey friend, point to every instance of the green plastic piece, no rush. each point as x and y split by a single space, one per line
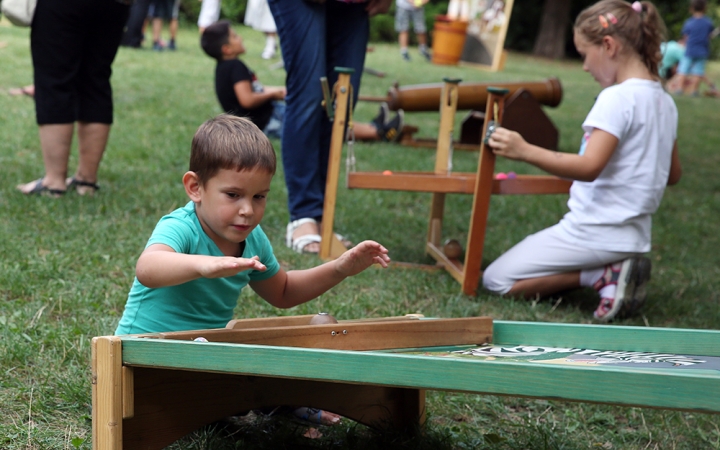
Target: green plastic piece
497 90
452 80
344 70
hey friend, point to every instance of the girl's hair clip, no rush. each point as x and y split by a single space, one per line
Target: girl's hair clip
637 7
603 21
611 17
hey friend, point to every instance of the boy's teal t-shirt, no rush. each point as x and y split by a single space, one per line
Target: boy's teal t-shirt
198 304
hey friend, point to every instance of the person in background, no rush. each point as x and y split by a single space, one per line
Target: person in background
406 11
315 37
73 45
209 14
628 156
241 93
698 30
162 10
259 17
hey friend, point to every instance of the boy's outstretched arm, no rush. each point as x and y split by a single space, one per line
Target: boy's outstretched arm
288 289
251 100
159 266
585 167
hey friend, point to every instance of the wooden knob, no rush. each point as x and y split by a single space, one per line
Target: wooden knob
322 318
452 249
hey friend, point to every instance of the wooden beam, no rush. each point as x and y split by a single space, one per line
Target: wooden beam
353 336
107 398
456 183
291 321
268 322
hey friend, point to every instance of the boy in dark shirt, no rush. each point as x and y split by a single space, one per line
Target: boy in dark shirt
240 93
698 30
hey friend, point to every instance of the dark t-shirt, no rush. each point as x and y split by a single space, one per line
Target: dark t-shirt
697 30
232 71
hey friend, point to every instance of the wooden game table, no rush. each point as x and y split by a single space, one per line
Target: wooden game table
150 390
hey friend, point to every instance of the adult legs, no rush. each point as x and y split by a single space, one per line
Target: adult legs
92 141
301 26
133 34
209 13
314 39
95 105
73 45
56 44
55 142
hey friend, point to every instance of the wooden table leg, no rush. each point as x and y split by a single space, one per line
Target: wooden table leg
481 198
107 407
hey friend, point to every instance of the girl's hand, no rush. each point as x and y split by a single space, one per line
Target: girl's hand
508 144
361 257
227 266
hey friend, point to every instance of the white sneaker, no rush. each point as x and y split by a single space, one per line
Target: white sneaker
630 278
268 53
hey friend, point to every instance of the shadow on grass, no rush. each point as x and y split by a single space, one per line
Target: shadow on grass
258 431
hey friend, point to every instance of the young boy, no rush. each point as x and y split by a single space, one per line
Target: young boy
200 256
698 30
406 10
240 93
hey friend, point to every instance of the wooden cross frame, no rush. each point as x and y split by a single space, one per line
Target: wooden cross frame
440 182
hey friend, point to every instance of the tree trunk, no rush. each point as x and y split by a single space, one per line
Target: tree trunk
550 41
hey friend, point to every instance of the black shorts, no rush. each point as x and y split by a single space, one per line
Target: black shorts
162 9
74 43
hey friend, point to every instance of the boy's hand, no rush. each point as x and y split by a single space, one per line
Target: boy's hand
228 266
360 257
278 92
507 143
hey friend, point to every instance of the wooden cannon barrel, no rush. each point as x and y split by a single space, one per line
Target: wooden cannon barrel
426 97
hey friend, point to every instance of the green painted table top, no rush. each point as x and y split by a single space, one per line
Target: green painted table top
609 381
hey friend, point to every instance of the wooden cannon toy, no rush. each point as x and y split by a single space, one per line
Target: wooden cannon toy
442 181
523 110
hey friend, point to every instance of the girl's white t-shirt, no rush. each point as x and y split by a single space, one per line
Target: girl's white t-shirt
614 212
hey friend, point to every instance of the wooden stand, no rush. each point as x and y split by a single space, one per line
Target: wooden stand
330 245
442 181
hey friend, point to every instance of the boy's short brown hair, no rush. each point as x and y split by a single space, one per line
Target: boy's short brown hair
230 142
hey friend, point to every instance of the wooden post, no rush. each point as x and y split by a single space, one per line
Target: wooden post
107 408
481 199
443 155
330 246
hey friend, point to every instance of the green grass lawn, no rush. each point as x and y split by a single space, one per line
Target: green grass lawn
66 265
